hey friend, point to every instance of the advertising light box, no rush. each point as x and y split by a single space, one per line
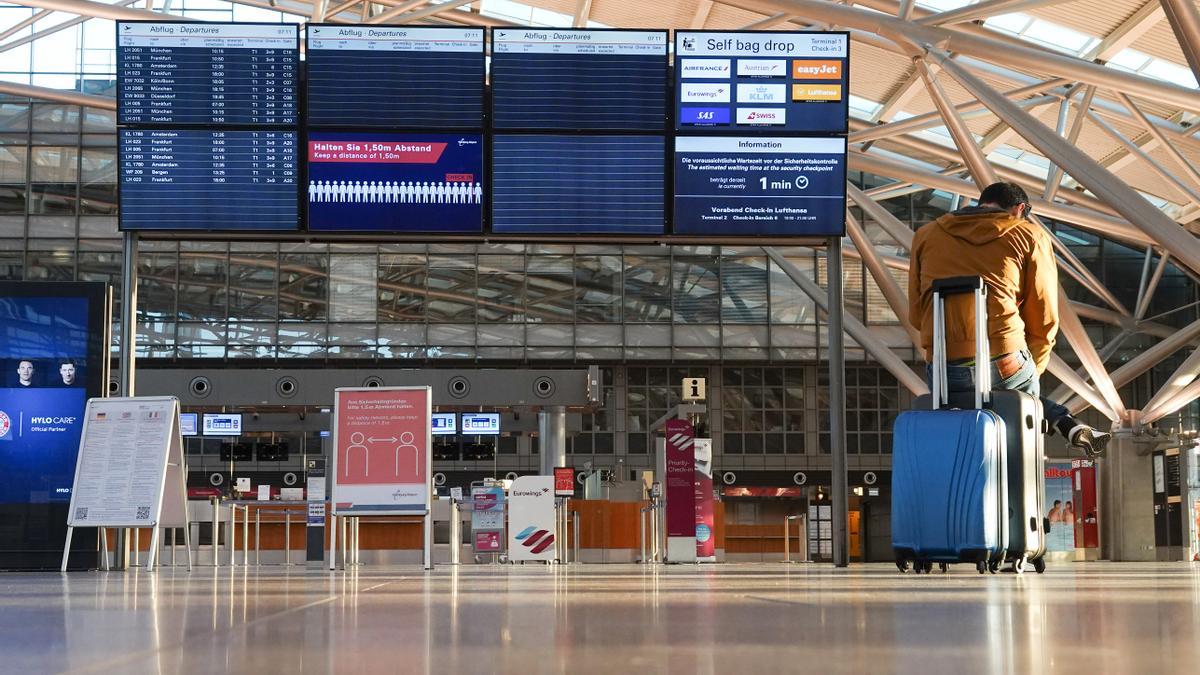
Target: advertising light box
243 74
395 182
481 424
188 423
786 187
222 424
444 424
762 81
395 76
579 79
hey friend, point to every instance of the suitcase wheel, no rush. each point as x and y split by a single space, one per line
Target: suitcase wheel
902 565
1039 565
1019 565
993 566
945 567
981 567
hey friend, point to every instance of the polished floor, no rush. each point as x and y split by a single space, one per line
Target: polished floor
733 618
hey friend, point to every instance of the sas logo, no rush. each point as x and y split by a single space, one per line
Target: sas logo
703 116
708 93
712 69
817 70
766 116
761 93
5 424
762 68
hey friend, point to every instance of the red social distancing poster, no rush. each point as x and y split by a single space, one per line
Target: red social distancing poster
381 462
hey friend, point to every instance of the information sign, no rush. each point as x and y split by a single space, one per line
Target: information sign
381 463
395 76
176 179
564 481
579 79
130 470
481 424
239 74
395 182
742 186
773 81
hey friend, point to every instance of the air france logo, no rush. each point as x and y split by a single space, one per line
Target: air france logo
712 69
5 423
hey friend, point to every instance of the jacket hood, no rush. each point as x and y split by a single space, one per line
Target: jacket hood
977 225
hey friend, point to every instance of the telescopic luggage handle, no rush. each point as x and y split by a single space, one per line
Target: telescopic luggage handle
983 371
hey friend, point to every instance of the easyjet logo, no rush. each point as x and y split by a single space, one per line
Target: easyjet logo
816 70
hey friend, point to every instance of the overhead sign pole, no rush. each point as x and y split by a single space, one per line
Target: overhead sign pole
382 457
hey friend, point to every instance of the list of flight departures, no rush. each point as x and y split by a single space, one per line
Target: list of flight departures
204 73
208 180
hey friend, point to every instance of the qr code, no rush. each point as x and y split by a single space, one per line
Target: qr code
143 513
81 513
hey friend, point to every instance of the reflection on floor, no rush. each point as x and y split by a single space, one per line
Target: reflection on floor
605 619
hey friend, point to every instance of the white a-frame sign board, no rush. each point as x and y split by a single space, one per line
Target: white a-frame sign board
130 470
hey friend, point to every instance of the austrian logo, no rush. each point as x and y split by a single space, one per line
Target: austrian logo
5 423
762 68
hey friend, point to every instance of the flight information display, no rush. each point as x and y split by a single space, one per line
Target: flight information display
395 76
177 179
579 79
235 74
395 182
774 81
578 184
790 187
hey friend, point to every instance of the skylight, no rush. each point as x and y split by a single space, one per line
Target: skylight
1045 33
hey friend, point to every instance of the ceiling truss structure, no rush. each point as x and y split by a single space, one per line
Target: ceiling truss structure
986 88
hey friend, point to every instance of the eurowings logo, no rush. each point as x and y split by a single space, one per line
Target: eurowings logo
534 539
682 442
711 93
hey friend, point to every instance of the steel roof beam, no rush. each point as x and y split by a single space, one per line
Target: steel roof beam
98 10
1185 21
58 95
1015 54
892 293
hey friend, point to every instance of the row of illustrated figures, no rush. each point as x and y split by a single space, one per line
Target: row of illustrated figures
394 192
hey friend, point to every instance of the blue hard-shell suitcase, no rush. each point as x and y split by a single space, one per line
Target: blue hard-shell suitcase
949 470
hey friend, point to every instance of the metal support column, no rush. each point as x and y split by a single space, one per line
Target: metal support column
552 438
837 403
128 353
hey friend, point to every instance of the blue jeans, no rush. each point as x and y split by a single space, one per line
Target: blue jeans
961 379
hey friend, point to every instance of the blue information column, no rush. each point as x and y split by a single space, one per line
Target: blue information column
205 73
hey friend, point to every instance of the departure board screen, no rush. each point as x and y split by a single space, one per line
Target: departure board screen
791 81
579 79
395 182
395 76
760 185
578 184
207 73
175 179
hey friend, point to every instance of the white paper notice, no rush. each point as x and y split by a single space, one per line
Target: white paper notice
264 493
122 462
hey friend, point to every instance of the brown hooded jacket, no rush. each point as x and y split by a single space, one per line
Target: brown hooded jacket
1015 259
